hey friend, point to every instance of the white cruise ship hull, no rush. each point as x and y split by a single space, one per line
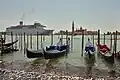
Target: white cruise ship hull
32 31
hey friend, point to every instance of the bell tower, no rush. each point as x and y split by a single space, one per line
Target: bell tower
73 27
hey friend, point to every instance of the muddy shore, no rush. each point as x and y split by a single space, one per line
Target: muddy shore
43 70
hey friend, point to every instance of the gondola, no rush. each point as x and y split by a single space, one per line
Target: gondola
89 49
34 53
106 54
10 44
55 51
6 46
108 57
89 55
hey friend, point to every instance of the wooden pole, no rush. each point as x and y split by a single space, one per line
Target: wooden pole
72 42
31 41
1 46
98 41
114 48
52 39
82 42
37 41
61 38
12 40
98 37
24 43
111 41
67 42
41 41
21 41
15 39
116 42
66 37
27 40
93 39
104 38
72 36
5 36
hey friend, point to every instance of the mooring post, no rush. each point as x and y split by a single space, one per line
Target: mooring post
37 41
52 39
104 38
41 41
72 36
31 41
114 47
61 38
67 37
24 43
116 42
4 36
98 43
12 40
93 39
1 46
82 43
98 37
67 42
21 41
15 39
111 41
72 42
27 40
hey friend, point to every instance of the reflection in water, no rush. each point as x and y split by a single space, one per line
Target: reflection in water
50 64
117 62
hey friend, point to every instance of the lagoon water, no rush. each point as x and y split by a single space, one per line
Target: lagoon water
74 57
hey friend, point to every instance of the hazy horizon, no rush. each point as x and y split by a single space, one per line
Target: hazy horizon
58 15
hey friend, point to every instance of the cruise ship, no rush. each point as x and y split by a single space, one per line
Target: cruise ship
28 29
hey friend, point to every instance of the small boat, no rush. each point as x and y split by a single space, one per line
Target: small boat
89 49
106 54
55 51
10 44
57 47
7 47
89 54
109 56
34 53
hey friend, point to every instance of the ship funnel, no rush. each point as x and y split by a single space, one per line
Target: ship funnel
21 22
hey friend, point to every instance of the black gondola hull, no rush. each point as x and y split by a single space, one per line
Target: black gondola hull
54 54
34 54
10 44
108 59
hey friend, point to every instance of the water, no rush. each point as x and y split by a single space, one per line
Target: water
74 57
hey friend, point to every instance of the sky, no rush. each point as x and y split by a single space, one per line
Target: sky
59 14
